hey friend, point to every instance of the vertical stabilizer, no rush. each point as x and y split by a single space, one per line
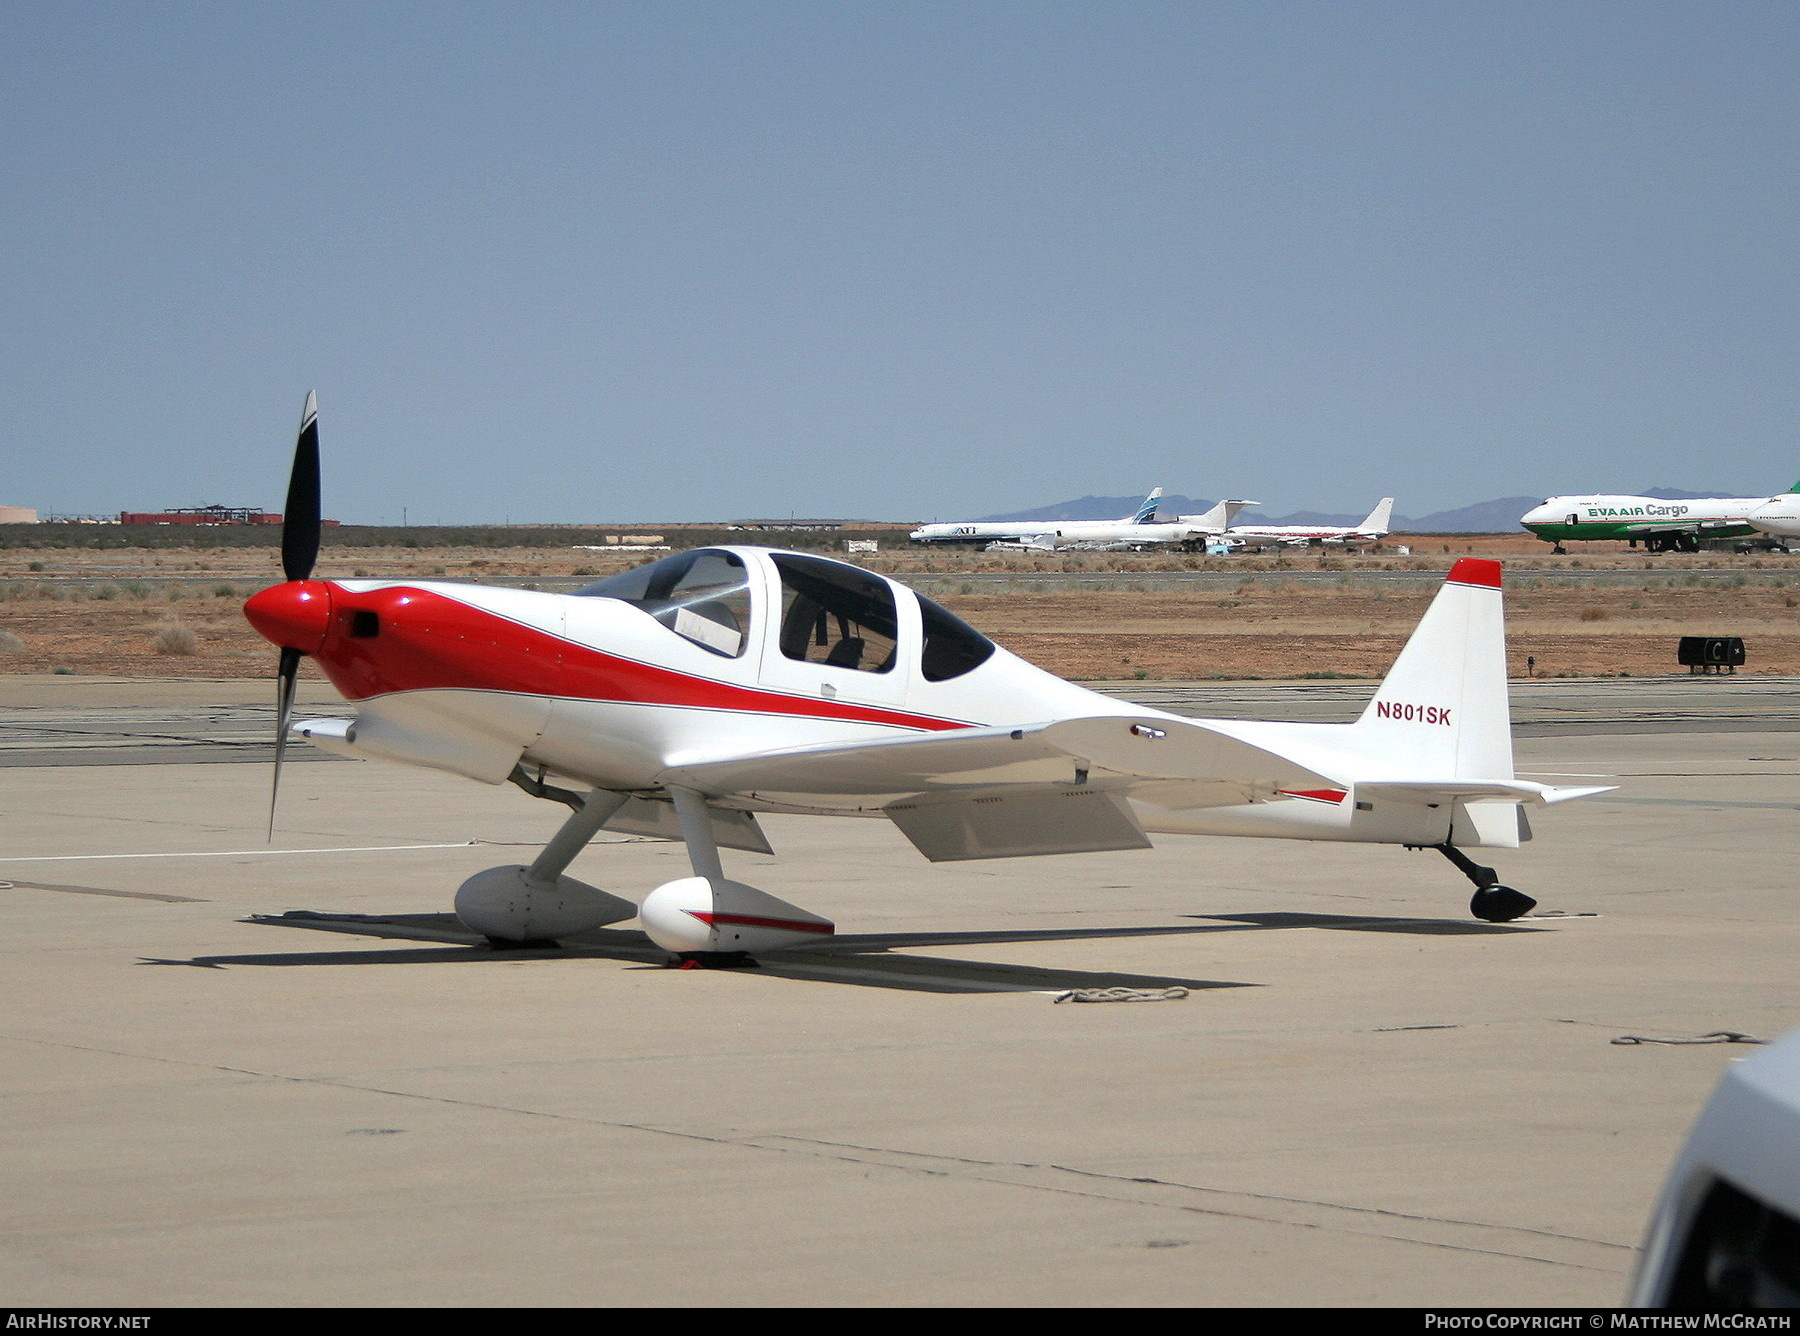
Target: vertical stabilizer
1219 518
1216 518
1379 518
1443 712
1146 513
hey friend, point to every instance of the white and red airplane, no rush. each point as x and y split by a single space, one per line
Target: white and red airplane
1372 530
686 696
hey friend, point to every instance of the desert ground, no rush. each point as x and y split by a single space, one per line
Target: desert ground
1600 610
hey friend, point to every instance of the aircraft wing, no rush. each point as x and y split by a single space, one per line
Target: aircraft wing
1058 787
1104 748
1685 526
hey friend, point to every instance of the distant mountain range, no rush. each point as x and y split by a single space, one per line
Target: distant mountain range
1497 516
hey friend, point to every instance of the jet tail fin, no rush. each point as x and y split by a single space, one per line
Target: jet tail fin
1220 517
1146 513
1379 518
1443 711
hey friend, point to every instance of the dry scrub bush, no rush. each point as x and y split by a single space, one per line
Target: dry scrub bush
178 640
1595 615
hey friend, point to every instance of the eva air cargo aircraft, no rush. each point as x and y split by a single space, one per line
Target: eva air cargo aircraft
1662 526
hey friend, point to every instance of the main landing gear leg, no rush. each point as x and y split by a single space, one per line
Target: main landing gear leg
1492 901
707 919
534 906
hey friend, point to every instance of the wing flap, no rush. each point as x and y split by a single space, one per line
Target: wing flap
656 818
1015 823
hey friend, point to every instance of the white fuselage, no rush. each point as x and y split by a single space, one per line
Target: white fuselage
1300 533
1610 516
1779 515
480 680
1117 534
1086 531
1373 528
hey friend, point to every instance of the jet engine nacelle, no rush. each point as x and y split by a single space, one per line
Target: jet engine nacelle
711 915
505 904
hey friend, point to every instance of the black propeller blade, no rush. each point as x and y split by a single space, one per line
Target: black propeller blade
301 522
287 682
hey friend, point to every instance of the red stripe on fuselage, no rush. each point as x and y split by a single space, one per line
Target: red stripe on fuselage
430 642
713 920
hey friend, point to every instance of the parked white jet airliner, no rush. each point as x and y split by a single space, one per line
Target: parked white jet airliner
1779 515
686 696
1372 529
982 532
1191 531
1662 526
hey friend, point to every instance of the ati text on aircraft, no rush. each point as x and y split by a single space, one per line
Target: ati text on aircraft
982 532
688 696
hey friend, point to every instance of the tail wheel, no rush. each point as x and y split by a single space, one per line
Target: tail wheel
1500 904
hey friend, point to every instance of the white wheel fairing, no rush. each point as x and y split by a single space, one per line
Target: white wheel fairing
712 914
505 904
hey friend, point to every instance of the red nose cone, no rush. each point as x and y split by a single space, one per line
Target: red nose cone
294 615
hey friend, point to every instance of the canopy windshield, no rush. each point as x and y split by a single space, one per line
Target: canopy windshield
702 596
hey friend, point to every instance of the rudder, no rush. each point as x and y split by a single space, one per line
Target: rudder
1379 518
1443 710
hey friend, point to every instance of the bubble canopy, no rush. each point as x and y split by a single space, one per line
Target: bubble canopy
832 613
702 596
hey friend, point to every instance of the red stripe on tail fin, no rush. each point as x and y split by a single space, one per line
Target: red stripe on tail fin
1475 571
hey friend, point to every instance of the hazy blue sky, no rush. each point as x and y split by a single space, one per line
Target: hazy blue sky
595 262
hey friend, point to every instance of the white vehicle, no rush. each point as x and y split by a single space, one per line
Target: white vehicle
1725 1236
983 532
685 697
1194 532
1372 529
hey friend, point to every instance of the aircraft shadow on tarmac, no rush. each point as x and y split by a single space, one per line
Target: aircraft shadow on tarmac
1366 923
865 960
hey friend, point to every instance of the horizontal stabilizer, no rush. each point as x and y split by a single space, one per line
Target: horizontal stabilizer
1447 791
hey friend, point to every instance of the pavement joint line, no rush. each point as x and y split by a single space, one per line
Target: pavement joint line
240 853
999 1173
1227 1192
839 1152
101 890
